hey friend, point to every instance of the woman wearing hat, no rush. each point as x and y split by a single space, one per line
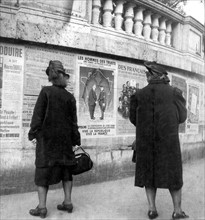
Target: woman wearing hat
157 110
54 127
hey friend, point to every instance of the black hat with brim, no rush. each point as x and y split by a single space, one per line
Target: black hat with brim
57 66
156 68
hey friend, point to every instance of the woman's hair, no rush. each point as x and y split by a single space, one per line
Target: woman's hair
58 80
56 73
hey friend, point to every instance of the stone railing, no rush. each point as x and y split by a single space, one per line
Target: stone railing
140 19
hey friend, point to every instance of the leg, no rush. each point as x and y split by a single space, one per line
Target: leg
67 187
67 204
93 111
101 112
151 195
176 198
41 209
42 196
90 111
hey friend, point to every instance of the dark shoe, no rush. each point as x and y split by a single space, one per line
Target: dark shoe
101 118
65 207
152 214
179 215
42 212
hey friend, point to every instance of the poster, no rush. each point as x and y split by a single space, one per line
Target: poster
11 90
96 98
181 84
193 109
130 78
36 62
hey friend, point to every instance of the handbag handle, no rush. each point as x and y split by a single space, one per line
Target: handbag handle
83 151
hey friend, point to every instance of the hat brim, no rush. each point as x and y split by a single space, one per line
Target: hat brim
153 66
60 71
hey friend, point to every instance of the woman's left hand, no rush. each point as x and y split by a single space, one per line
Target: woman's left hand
34 141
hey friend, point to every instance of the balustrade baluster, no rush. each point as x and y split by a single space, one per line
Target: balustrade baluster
96 11
147 25
168 33
138 26
107 13
118 14
129 15
155 27
162 29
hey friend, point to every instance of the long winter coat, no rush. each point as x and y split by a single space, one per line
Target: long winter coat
54 125
156 111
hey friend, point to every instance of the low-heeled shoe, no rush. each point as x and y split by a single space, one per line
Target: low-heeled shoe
65 207
179 215
152 214
41 212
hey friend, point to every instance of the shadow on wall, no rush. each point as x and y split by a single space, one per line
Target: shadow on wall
63 6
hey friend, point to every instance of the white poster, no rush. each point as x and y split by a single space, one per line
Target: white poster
11 91
36 62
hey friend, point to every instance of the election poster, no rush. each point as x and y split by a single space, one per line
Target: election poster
181 84
193 108
130 78
96 98
36 61
11 90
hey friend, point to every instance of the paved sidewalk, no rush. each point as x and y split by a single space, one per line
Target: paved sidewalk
113 200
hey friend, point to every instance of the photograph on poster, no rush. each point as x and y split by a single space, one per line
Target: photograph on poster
130 78
181 84
96 100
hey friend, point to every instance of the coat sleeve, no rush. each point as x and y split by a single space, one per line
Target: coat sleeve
180 103
133 109
38 115
76 140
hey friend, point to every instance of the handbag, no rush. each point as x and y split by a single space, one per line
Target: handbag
83 163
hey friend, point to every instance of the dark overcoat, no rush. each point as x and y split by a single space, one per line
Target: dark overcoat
102 100
54 125
156 111
92 98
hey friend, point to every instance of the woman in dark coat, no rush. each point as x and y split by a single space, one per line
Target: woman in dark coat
157 110
54 127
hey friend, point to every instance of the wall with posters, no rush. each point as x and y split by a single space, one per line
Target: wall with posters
22 75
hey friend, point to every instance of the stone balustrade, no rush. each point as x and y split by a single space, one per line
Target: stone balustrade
134 19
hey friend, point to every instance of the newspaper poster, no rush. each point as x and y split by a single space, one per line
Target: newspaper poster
11 90
193 109
36 62
181 84
97 77
130 77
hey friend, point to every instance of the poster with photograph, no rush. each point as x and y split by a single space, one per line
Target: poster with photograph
193 109
181 84
130 78
11 90
96 97
36 62
202 104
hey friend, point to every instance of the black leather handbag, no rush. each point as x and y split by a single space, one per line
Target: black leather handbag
83 163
